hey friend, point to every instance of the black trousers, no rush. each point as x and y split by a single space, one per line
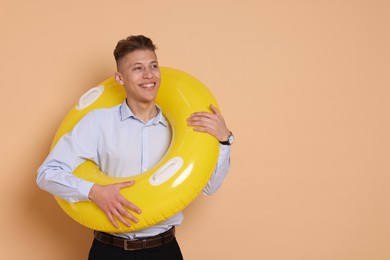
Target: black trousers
102 251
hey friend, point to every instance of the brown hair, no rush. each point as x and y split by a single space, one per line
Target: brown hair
132 43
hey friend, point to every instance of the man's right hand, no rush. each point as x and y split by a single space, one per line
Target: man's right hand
113 204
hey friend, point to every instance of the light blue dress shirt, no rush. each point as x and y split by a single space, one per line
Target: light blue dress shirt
123 146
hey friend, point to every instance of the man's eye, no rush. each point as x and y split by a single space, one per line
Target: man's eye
137 68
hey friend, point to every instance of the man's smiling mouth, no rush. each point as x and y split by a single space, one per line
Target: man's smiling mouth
149 85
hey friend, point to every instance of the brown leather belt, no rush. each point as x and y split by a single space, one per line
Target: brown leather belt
137 244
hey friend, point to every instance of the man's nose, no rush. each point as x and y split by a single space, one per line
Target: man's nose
147 73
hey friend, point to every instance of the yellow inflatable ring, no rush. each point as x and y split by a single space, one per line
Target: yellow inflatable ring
177 179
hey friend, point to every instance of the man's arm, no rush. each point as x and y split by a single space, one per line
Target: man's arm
56 174
214 124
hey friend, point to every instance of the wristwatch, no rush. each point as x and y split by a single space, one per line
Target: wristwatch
229 141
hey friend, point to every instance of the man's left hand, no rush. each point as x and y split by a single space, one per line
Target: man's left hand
212 123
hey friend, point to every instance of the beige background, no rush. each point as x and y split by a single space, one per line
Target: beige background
304 85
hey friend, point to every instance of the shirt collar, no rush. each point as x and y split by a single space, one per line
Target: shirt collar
126 113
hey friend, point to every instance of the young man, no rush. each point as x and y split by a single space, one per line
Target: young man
124 141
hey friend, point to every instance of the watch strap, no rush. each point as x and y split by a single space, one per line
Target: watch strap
227 142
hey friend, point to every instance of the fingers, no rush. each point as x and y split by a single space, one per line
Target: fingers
211 123
114 205
203 125
215 109
207 114
131 207
122 215
113 222
205 121
125 184
202 120
121 212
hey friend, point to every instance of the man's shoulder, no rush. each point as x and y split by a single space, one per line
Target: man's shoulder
105 111
101 114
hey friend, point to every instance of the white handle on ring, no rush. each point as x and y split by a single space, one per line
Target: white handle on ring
89 97
166 171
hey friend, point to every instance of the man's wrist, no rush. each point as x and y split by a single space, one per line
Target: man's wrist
229 140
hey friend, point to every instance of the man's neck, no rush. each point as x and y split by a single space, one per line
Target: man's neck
143 111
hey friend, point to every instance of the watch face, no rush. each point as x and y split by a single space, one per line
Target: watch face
231 139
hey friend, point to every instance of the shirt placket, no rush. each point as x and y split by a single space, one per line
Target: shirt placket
145 149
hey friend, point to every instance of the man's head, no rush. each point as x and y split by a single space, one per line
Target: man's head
130 44
137 70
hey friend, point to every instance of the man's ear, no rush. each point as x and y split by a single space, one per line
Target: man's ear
118 78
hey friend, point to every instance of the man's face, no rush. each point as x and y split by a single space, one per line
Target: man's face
139 73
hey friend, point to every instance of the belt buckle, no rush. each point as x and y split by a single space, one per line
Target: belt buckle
126 247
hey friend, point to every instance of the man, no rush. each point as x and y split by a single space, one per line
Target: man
124 141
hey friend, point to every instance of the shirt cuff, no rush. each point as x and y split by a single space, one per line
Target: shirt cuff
84 189
224 150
